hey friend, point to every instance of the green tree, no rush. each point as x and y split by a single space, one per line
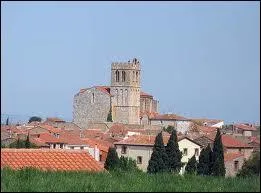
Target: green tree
159 158
7 121
173 152
169 129
109 117
27 142
218 165
35 118
205 161
112 160
127 164
251 166
191 166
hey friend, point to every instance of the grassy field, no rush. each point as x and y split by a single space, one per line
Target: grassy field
35 181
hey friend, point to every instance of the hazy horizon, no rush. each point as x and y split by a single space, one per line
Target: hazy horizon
199 59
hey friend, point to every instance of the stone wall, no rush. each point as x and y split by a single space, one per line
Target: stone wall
90 105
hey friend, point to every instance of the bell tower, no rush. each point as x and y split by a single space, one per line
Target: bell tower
125 89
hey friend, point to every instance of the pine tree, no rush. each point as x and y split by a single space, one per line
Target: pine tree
112 160
218 166
159 158
27 142
173 152
7 121
109 117
205 161
191 166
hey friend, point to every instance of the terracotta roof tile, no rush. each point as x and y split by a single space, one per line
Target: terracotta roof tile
169 117
144 94
245 127
49 159
54 119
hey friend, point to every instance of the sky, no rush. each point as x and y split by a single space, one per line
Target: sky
199 59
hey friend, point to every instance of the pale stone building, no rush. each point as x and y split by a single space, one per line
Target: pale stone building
123 97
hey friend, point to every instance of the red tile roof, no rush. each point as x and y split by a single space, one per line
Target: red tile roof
47 138
169 117
54 119
245 127
49 159
232 156
104 89
101 144
206 129
144 94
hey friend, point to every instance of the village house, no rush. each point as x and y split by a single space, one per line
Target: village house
49 159
243 130
140 148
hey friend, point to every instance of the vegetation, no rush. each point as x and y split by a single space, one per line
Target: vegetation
191 167
112 160
7 121
109 117
35 118
22 144
251 166
127 164
218 165
204 165
29 180
173 152
159 158
169 129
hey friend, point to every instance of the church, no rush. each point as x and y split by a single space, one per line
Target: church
123 98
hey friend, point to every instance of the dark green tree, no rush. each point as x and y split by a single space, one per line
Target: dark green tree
159 158
191 166
205 161
112 160
27 142
173 152
169 129
35 118
218 165
7 121
251 166
109 117
128 164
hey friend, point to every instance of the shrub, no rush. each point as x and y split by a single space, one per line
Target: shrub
191 167
251 166
112 160
34 118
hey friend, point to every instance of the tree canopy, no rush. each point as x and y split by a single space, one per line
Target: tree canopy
112 160
35 118
191 166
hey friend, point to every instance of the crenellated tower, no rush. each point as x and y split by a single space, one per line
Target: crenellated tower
125 91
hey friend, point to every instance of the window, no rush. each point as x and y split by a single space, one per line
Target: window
92 97
61 146
81 147
117 75
185 151
71 147
54 146
196 151
137 76
139 160
235 165
100 157
123 76
123 149
240 150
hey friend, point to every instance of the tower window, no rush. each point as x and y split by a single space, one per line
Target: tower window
117 75
92 97
123 76
137 76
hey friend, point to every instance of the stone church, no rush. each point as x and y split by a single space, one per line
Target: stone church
124 97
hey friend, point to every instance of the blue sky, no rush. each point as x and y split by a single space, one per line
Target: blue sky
199 59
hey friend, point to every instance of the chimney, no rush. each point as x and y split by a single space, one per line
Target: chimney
96 153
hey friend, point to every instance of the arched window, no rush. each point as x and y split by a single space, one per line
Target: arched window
123 76
137 76
92 97
126 97
117 75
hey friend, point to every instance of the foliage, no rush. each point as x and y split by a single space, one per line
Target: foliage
204 165
7 121
109 117
251 166
28 180
22 144
169 129
112 161
218 165
173 152
191 166
35 118
127 164
159 158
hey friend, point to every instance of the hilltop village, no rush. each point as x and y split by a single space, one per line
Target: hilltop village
123 116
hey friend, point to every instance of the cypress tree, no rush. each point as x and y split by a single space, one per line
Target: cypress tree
204 165
191 167
173 152
109 117
159 158
7 121
27 142
218 166
112 160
